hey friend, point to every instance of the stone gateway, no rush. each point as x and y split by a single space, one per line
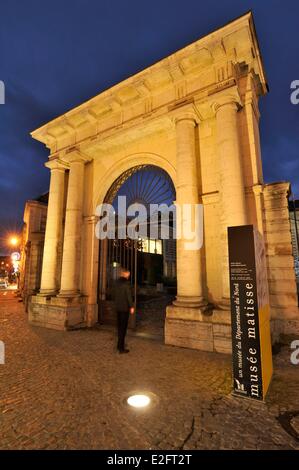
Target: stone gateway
195 115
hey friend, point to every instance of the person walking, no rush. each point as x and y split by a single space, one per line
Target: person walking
123 301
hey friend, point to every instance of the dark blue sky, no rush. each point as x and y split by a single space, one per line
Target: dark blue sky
55 55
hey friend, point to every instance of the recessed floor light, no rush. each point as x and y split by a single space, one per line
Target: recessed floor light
138 401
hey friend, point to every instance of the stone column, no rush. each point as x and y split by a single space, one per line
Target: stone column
71 258
53 235
231 179
90 268
189 276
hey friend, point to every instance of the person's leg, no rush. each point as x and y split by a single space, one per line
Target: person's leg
121 337
126 320
124 316
119 330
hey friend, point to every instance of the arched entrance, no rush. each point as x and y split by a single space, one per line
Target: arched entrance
186 119
151 259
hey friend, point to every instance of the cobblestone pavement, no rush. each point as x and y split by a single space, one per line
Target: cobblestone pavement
151 315
67 390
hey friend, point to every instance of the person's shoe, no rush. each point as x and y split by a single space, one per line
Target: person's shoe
124 351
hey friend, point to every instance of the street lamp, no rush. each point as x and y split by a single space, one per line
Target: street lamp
13 241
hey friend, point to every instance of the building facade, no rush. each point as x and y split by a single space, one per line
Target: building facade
195 115
35 216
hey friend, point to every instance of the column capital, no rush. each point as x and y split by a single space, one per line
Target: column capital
185 113
226 99
74 155
56 164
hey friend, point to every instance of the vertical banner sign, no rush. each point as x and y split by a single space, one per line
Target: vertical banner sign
250 313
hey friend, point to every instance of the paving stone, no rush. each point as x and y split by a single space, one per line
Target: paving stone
67 390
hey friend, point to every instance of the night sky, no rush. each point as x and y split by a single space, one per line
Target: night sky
55 55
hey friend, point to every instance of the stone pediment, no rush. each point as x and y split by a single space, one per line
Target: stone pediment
197 70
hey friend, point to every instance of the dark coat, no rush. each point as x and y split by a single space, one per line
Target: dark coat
122 295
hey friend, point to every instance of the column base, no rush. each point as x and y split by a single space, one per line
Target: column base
47 292
192 327
69 293
187 301
224 304
60 313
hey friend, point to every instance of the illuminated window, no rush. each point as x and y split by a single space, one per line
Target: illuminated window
152 246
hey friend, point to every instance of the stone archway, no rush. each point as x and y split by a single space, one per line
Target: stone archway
151 261
199 109
126 163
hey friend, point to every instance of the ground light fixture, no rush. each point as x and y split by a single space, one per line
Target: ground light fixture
138 401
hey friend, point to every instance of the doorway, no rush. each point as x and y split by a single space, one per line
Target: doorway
150 260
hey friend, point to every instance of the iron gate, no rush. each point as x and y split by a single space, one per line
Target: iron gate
114 255
144 184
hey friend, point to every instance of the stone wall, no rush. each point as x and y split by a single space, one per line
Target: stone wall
280 260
